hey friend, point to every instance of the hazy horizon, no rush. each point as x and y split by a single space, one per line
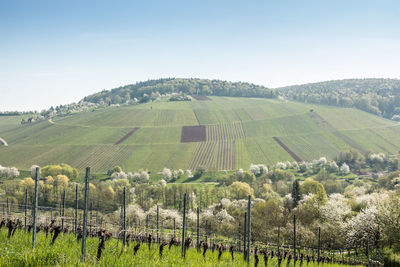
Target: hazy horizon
56 53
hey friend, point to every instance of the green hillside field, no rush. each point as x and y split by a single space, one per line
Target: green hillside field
238 132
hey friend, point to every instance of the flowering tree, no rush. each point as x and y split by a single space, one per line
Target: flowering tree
363 229
258 169
7 172
345 168
166 174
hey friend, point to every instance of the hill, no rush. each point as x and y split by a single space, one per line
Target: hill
219 134
174 85
377 96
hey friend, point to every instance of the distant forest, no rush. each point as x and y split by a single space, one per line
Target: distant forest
377 96
175 85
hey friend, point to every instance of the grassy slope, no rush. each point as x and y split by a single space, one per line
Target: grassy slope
243 135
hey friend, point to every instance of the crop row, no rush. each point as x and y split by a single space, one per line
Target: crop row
225 132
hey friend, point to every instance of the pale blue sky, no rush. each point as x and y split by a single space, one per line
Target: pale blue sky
56 52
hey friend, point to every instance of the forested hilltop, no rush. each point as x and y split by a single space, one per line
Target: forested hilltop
377 96
138 90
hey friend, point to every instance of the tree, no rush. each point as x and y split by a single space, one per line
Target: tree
268 193
296 196
240 190
309 186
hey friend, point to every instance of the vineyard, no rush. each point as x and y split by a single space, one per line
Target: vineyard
225 133
94 239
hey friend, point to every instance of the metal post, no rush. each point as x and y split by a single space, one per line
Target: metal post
124 217
76 209
8 208
294 239
26 208
85 212
63 211
35 204
244 235
91 216
158 238
184 227
248 229
198 229
319 242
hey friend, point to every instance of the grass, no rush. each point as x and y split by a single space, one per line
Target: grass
87 138
66 252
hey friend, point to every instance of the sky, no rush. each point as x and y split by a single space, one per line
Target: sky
57 52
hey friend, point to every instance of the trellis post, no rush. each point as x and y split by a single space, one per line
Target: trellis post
158 238
244 235
63 211
124 217
184 226
76 209
85 213
26 208
294 239
35 204
319 243
248 229
198 229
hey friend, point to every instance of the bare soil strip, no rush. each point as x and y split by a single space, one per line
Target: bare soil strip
193 134
201 98
126 136
291 153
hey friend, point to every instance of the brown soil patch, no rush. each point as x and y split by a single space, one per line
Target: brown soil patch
193 134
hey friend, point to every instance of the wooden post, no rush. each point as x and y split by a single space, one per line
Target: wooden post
35 205
76 209
8 208
63 211
248 229
124 218
198 229
184 227
85 212
26 208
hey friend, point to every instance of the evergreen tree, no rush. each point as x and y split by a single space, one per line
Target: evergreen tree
296 196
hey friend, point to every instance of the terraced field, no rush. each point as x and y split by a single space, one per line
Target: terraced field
237 132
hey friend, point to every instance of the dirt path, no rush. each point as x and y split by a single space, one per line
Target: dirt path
291 153
126 136
3 141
